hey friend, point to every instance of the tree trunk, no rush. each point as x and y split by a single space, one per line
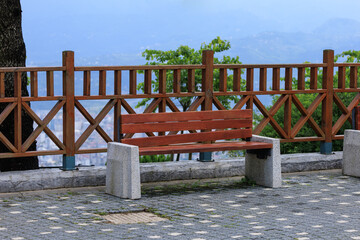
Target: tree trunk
13 54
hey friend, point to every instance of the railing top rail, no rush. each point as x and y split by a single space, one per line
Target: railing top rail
346 64
30 69
141 67
294 65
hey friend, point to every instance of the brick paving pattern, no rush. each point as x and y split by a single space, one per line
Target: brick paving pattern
322 205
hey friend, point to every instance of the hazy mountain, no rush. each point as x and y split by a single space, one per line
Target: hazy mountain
277 47
265 47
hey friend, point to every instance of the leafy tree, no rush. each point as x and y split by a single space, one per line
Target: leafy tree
306 100
13 54
184 55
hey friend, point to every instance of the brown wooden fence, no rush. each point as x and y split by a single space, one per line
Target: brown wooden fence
326 131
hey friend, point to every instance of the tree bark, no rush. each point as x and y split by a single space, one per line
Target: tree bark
13 54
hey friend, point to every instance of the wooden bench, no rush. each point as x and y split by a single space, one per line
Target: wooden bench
205 131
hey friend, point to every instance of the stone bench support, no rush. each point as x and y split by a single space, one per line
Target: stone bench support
123 168
123 171
351 153
264 171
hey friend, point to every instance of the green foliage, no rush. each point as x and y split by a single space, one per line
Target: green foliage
307 100
184 55
155 158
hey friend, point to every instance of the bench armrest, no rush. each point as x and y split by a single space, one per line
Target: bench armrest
257 138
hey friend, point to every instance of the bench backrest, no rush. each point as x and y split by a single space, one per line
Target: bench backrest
211 126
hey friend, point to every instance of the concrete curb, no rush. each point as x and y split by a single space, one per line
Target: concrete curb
154 172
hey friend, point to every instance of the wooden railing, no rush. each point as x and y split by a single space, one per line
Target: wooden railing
327 95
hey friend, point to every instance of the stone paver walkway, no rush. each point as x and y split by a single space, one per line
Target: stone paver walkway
321 205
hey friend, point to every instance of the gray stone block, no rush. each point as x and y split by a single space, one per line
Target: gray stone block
123 171
265 172
351 155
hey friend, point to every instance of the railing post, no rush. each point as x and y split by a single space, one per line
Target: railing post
68 111
207 87
327 104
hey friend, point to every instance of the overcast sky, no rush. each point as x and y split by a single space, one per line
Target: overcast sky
93 27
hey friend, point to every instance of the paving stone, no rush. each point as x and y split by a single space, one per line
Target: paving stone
308 206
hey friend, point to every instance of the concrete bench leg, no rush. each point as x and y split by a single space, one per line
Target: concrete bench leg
123 171
265 172
351 153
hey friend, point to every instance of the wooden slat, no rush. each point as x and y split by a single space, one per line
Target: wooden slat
50 83
287 116
30 69
102 82
177 81
268 116
191 80
286 65
307 116
242 102
313 77
342 77
171 105
127 107
7 143
276 79
2 85
302 139
237 80
188 138
186 116
117 121
196 103
42 126
223 80
147 82
94 126
31 153
86 83
162 81
137 68
357 118
263 79
218 104
117 82
353 77
34 84
342 119
153 105
178 126
132 83
7 111
301 78
250 79
342 107
162 108
279 92
250 103
93 121
288 78
189 148
17 112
